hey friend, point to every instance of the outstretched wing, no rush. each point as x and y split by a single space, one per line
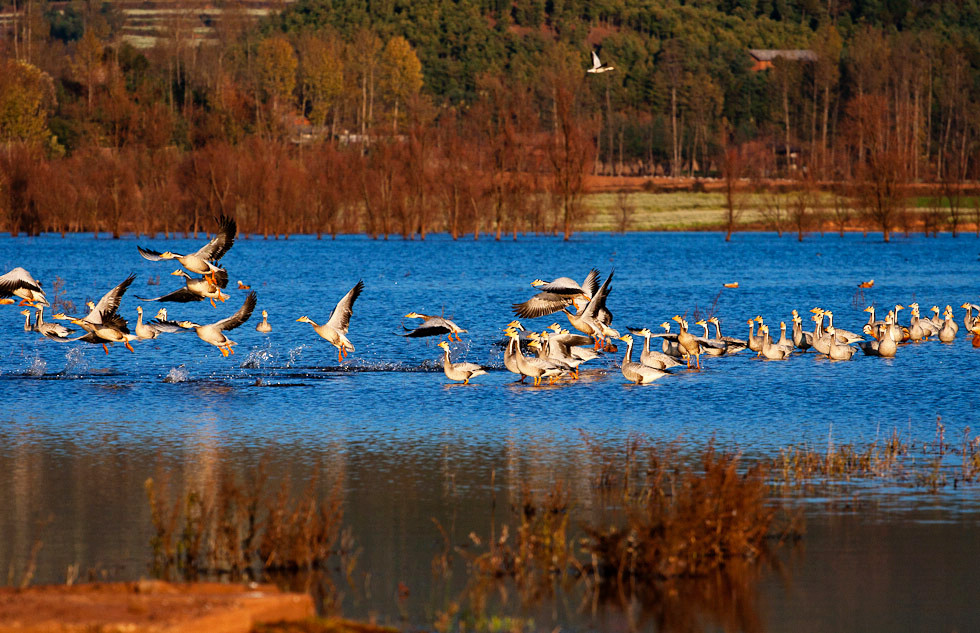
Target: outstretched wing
340 317
430 327
561 286
239 317
153 256
167 327
16 279
595 60
598 301
109 303
222 241
591 283
183 295
541 304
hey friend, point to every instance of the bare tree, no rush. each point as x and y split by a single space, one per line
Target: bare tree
733 169
624 208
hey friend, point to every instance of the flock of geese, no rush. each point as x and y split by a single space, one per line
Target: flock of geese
552 354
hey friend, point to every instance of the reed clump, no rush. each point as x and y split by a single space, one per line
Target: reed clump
686 521
240 529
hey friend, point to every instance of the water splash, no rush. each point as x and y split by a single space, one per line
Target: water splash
294 355
74 362
256 358
37 367
176 374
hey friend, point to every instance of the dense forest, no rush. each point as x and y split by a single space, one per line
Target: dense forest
476 116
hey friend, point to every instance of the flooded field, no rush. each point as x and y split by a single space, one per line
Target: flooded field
418 462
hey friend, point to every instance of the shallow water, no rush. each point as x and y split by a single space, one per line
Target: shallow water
80 430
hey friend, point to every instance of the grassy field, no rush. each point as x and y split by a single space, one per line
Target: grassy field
675 211
692 211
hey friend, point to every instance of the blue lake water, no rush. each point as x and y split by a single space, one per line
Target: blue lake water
81 430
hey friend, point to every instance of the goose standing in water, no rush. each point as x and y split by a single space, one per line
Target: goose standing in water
952 323
802 339
214 333
872 323
845 336
687 343
263 325
732 345
510 353
434 326
968 319
202 261
837 350
770 350
669 344
653 358
335 329
755 341
883 345
19 283
637 372
536 368
947 333
710 346
459 371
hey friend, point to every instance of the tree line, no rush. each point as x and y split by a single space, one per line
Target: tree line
476 116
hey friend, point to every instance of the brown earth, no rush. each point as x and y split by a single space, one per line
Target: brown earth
148 606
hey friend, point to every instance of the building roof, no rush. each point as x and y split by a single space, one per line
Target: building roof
770 54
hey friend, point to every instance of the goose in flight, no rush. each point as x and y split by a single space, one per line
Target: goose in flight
102 323
459 371
335 329
19 283
557 295
434 326
202 261
152 329
597 66
197 288
214 333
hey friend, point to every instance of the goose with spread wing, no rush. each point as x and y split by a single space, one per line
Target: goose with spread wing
214 333
197 288
598 66
202 262
19 283
557 295
103 324
594 318
335 329
434 326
